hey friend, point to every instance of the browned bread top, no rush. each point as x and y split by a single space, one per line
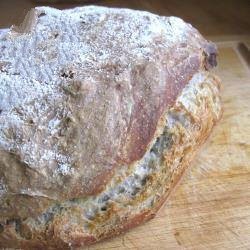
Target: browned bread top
82 92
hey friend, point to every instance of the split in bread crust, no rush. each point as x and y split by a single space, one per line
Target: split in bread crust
136 192
101 111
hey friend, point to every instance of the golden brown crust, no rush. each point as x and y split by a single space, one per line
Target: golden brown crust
208 121
99 150
88 97
133 221
188 123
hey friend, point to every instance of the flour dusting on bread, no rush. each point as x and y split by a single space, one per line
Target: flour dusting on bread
101 110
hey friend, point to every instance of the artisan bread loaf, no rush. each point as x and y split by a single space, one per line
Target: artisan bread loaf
101 112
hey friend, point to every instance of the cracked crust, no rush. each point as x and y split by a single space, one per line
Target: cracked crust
87 98
135 194
93 134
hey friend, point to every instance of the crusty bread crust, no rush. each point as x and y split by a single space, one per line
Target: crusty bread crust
98 121
187 125
87 98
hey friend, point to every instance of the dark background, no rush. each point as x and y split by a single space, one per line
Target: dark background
212 17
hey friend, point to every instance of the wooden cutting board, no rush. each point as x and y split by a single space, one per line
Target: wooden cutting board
210 208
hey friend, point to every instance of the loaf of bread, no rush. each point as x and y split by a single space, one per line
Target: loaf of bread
101 111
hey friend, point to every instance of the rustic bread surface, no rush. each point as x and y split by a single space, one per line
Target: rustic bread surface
101 111
134 194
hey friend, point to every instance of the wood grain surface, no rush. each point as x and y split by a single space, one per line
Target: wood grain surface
210 208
